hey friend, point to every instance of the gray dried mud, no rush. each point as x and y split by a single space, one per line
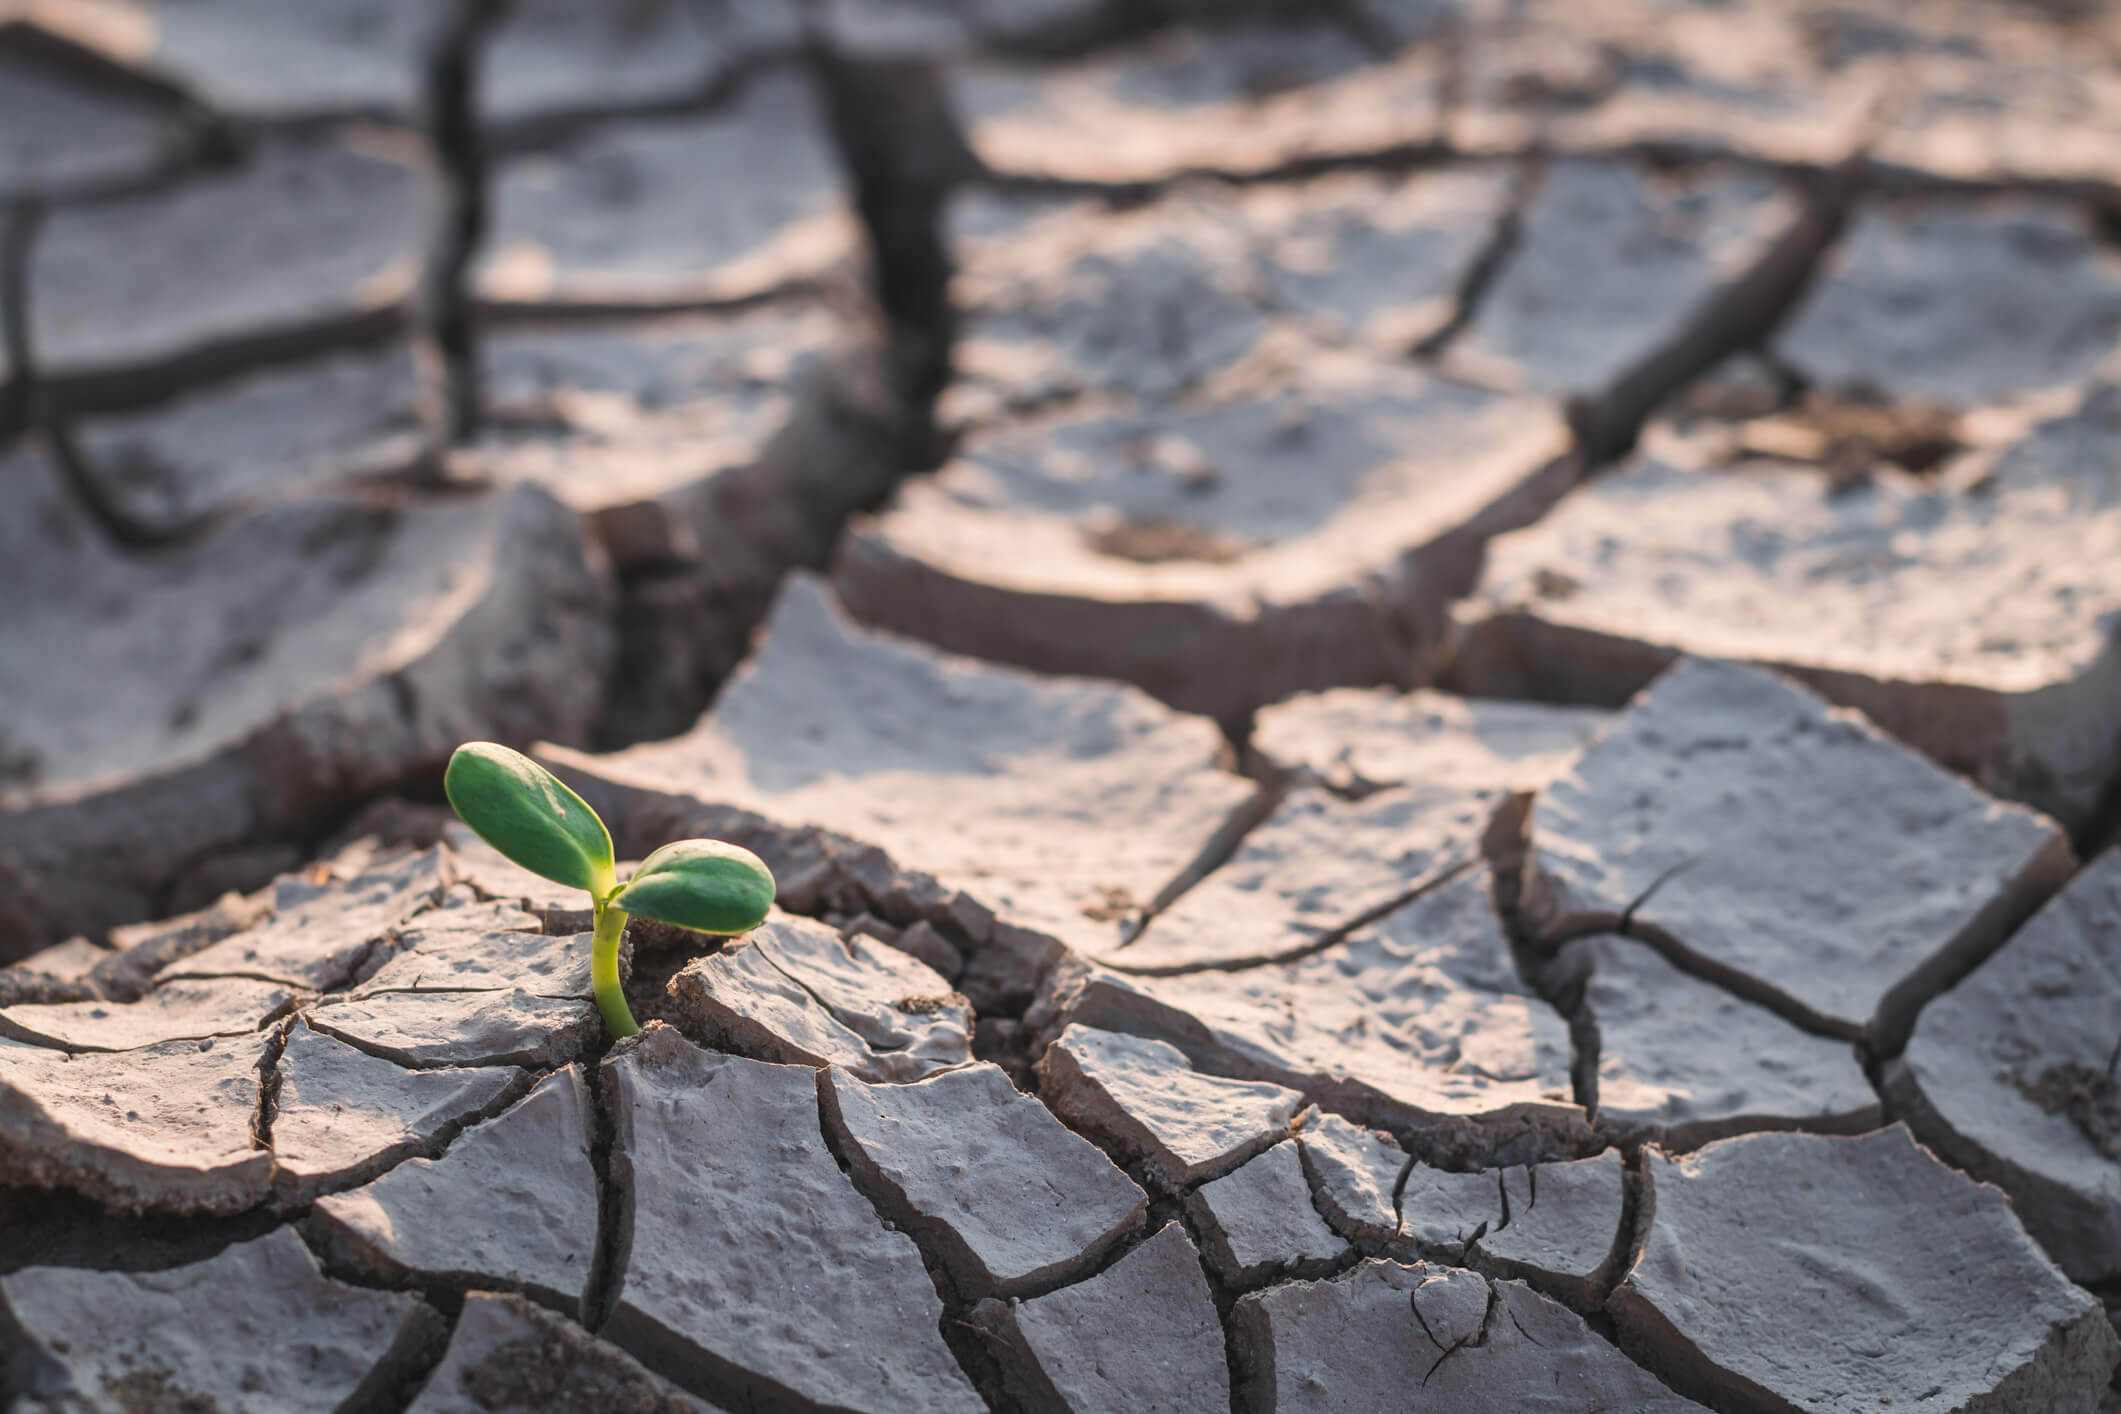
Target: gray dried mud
1430 686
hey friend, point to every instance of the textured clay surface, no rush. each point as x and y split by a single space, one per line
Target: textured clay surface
1887 1262
787 1286
1404 665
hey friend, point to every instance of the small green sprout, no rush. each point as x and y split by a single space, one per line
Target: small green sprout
524 811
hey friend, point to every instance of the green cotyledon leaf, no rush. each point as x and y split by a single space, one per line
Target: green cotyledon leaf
524 811
705 885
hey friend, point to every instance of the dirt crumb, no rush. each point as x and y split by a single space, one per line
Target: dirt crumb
150 1392
1158 540
1111 903
2087 1095
1852 432
540 1373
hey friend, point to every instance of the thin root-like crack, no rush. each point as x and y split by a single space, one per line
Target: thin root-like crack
1487 266
606 1276
1521 1330
1228 838
1627 915
269 1082
1333 937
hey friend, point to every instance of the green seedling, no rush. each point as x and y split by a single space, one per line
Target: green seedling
526 813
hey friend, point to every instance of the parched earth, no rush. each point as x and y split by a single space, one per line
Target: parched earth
1435 687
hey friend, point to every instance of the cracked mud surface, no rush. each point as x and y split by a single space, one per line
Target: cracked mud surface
1432 686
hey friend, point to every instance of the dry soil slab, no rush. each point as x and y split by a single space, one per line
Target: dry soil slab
1259 1222
1358 741
1362 1340
1599 77
611 412
1608 263
467 946
1558 1225
508 1355
513 1202
1390 1204
1244 96
241 689
1888 1270
1685 1061
1443 1212
1312 870
480 1028
1977 96
2008 1075
1143 1331
795 991
165 1127
1563 1227
1140 1099
1992 98
1959 303
1967 615
335 420
1064 300
304 245
1301 529
1355 1176
1386 798
671 212
76 132
549 63
255 60
463 984
326 927
180 1011
1011 1199
1786 850
257 1327
341 1116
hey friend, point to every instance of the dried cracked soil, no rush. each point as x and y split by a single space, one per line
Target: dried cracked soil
1435 688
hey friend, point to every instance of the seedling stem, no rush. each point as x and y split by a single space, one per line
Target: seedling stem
604 970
